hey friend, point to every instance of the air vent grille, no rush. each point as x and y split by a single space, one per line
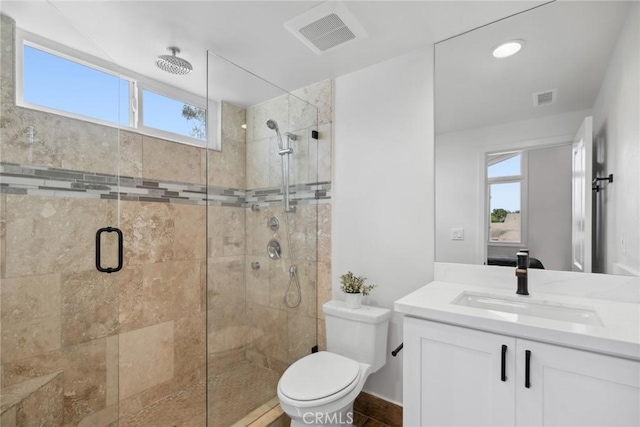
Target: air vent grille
547 97
322 26
327 32
326 26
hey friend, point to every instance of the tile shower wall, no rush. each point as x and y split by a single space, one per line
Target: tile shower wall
252 336
122 342
226 319
284 334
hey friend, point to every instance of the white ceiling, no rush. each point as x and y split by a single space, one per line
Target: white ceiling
248 33
568 47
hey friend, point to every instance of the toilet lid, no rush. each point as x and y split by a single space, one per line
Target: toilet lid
318 375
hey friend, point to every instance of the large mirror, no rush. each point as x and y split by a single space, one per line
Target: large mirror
540 149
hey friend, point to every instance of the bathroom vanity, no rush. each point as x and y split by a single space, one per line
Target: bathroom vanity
478 354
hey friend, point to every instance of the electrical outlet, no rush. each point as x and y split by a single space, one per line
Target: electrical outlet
457 234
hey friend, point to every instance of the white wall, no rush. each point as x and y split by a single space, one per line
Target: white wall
550 206
383 194
616 125
459 164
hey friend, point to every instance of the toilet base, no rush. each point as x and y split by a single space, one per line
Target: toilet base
341 418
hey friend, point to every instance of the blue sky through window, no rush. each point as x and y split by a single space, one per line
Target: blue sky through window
505 196
61 84
508 167
55 82
161 112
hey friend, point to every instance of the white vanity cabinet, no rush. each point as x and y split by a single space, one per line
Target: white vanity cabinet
571 387
456 376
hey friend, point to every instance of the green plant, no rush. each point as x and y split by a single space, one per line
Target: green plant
199 129
499 215
352 284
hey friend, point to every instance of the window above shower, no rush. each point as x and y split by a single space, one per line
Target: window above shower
60 80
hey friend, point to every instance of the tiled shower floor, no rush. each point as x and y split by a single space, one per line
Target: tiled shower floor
178 410
238 391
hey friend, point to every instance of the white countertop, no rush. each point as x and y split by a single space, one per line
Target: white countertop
619 334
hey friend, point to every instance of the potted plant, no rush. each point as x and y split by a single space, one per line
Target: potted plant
354 288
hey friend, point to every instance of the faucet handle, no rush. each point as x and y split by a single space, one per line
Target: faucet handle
523 259
521 271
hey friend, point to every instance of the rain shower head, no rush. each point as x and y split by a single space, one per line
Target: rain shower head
272 124
172 63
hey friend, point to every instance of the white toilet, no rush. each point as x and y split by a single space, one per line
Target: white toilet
319 389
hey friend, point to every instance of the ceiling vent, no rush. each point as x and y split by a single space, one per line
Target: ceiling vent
325 27
547 97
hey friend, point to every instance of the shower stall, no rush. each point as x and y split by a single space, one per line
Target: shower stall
257 330
137 287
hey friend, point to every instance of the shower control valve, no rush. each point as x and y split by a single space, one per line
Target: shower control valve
274 223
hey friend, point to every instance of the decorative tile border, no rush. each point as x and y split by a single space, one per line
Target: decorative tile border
301 194
44 181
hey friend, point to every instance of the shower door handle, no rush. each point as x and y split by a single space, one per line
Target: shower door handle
120 250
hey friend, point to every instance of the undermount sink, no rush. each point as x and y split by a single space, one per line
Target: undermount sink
535 308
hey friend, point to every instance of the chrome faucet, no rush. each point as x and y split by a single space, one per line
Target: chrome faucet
522 268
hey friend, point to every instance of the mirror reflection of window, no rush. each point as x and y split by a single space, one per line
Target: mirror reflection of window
505 187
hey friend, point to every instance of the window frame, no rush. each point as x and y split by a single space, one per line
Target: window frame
137 83
522 178
139 87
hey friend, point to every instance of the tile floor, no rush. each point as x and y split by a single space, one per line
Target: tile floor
236 392
238 396
242 395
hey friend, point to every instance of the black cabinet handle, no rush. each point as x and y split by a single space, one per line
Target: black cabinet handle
503 366
120 250
395 352
527 368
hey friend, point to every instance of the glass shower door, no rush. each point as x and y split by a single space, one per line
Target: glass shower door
117 338
59 185
262 258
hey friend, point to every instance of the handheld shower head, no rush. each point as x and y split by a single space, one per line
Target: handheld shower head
272 124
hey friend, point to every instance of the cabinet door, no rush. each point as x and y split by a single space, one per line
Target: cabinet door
453 376
575 388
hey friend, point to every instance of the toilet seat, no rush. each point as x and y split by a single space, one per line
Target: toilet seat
319 376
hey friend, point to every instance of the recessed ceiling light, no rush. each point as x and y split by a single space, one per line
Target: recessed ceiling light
507 49
243 126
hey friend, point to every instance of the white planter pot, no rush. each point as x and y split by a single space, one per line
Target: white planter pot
353 301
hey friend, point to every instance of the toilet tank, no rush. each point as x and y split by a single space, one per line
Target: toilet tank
359 334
